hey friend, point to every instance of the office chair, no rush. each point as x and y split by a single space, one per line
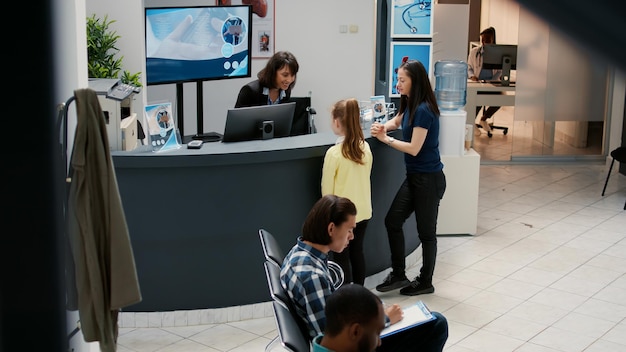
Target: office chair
618 154
271 248
504 129
303 117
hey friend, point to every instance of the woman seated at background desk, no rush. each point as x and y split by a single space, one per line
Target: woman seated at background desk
476 73
274 83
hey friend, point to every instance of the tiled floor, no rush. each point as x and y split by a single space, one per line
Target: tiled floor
546 271
524 140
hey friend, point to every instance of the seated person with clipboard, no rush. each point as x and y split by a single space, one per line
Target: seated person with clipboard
306 278
355 321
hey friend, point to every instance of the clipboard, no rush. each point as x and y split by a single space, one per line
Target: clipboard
414 315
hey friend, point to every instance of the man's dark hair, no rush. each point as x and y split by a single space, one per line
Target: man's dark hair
329 208
351 303
491 32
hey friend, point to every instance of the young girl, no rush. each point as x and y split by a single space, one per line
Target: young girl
346 173
425 182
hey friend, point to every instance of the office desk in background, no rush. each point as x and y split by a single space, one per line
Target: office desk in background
485 94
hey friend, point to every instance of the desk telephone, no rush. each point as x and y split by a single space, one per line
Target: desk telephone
121 91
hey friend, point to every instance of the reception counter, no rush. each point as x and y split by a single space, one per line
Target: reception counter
194 215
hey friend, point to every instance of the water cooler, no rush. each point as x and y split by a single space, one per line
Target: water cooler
461 164
451 91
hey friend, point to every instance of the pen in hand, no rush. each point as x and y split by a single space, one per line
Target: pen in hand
394 312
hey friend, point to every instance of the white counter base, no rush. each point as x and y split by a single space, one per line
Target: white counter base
458 211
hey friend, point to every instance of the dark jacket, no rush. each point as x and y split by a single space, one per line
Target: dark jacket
103 261
252 95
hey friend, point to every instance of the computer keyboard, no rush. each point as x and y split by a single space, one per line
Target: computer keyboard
208 137
498 82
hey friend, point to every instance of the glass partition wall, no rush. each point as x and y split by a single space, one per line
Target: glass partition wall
561 101
561 96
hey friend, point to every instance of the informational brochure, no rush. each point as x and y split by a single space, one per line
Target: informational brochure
379 108
161 127
414 315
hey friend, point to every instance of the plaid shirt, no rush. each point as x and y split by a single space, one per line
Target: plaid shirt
307 280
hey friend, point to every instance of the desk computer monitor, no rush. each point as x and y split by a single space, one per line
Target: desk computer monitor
500 57
258 122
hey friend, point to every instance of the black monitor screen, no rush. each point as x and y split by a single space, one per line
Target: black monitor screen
494 54
500 57
199 43
245 124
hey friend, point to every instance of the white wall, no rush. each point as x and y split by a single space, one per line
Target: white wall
503 15
450 42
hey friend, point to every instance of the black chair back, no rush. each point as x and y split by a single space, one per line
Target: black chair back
271 248
272 273
289 331
301 117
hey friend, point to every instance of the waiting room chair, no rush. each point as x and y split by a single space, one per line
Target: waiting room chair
272 274
292 333
618 154
289 331
271 248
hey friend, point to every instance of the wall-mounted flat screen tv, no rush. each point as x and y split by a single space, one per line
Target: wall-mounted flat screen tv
197 43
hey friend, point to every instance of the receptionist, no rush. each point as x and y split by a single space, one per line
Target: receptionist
273 84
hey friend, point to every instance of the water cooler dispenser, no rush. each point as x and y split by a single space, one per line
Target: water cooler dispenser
451 91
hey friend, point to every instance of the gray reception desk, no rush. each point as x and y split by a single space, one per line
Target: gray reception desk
194 215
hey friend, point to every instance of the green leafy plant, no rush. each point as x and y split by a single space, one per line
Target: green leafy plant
102 60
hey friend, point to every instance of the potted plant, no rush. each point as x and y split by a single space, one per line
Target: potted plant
102 52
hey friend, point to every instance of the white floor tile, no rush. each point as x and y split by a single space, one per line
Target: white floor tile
456 332
488 341
584 325
562 340
223 337
536 276
604 346
474 278
187 346
603 310
493 301
147 339
531 347
515 288
537 312
518 328
576 285
471 315
496 267
617 334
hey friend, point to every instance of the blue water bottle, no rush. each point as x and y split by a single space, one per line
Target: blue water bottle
451 84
